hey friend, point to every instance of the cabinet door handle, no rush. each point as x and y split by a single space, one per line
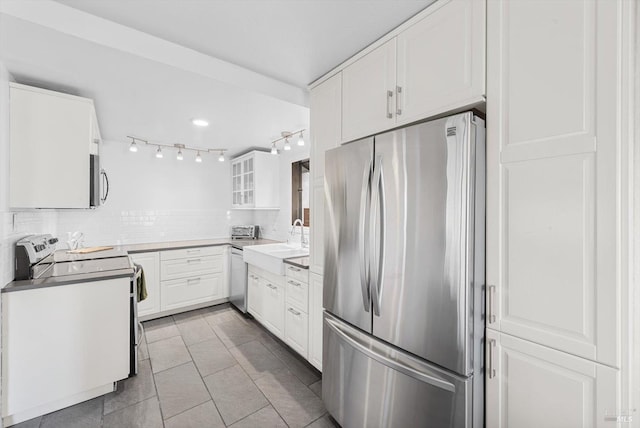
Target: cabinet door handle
398 109
490 369
194 251
389 96
193 280
295 269
273 287
491 309
294 312
194 260
297 284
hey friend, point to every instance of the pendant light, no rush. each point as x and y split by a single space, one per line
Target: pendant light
300 140
198 158
159 154
179 156
221 157
133 147
287 146
274 150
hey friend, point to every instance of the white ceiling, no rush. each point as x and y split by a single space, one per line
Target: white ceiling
149 87
295 41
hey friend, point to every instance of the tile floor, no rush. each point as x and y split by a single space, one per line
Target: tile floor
206 368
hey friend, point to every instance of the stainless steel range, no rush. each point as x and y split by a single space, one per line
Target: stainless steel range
36 259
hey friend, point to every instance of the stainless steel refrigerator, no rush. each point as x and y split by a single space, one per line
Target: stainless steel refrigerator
404 277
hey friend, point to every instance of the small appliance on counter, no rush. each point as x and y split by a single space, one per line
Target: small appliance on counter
251 231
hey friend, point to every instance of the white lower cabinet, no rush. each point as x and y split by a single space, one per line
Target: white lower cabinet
179 279
150 263
530 385
273 301
297 329
315 320
191 290
255 300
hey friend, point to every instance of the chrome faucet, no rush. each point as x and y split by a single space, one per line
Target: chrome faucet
303 242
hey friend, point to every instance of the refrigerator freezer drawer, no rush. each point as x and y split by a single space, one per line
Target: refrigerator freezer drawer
367 383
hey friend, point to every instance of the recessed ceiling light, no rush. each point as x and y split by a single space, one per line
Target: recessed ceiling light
200 122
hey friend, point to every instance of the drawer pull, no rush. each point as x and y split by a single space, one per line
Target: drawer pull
193 280
194 260
295 269
294 312
194 251
297 284
273 287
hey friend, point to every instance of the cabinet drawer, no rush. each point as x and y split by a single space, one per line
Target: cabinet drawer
193 266
189 291
297 274
296 329
298 293
192 252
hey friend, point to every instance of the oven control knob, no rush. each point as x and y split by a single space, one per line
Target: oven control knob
53 241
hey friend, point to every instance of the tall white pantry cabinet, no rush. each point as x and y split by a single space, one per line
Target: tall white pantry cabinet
559 203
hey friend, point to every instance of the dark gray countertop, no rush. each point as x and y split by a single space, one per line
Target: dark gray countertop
301 262
118 251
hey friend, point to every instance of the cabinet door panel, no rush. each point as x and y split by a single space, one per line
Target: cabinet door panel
273 300
552 177
297 329
255 297
190 291
441 60
150 263
315 320
529 385
368 93
326 122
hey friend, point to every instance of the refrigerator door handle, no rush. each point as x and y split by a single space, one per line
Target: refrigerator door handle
364 220
386 355
377 235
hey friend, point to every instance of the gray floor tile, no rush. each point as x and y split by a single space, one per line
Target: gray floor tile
194 330
168 353
159 329
316 388
323 422
31 423
133 390
263 418
235 332
187 316
234 394
256 360
145 414
204 415
216 315
296 403
180 389
211 356
83 415
301 370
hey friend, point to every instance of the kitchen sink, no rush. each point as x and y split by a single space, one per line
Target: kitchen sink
270 257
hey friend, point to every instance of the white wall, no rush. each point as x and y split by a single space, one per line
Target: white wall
277 224
154 200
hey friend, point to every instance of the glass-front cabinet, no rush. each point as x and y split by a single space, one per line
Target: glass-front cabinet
254 180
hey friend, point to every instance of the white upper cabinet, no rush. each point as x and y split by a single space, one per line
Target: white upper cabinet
52 135
435 65
441 61
540 387
255 181
368 93
554 225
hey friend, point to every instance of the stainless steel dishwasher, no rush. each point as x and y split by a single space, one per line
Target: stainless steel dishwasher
238 280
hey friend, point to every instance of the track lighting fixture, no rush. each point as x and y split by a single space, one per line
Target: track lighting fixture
287 145
180 147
